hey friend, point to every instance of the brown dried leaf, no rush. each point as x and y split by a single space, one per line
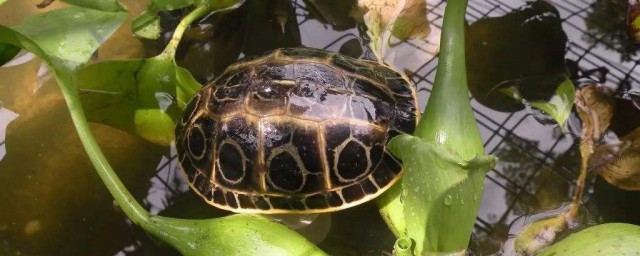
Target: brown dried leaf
621 166
404 18
595 108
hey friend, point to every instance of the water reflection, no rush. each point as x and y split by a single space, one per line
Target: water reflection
607 22
56 203
524 48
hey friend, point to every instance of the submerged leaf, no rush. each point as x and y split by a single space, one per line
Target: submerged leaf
147 25
101 5
558 106
335 13
143 97
7 53
50 34
603 239
437 182
161 5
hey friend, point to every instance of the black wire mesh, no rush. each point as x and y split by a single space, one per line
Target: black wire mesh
507 191
540 145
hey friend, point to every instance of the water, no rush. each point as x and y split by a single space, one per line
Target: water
54 203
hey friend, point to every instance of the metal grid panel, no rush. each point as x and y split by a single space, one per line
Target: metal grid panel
541 145
519 131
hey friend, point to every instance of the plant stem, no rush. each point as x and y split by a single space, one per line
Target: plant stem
170 50
444 123
403 246
125 200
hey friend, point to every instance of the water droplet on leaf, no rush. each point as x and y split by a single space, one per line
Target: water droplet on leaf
447 200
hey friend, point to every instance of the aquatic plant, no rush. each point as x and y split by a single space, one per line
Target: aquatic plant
444 160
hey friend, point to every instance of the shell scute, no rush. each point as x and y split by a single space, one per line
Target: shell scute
298 130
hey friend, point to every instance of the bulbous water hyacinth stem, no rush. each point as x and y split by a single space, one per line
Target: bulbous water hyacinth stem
444 162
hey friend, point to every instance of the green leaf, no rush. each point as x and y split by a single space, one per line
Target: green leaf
147 25
235 235
239 234
143 97
65 37
440 191
101 5
2 1
7 53
558 107
161 5
604 239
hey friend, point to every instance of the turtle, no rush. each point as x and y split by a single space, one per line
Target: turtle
295 130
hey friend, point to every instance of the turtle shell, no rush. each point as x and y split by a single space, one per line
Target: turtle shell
297 130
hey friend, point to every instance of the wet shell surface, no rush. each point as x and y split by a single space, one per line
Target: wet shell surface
297 130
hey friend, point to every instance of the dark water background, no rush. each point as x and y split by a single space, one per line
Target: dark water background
52 202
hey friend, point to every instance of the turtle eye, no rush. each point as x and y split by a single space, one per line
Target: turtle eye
196 142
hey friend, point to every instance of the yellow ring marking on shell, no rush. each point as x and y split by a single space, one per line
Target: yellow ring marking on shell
292 150
336 159
244 160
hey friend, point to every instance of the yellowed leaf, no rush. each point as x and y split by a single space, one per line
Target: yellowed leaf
620 162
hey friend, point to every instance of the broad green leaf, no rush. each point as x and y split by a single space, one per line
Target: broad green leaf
239 234
143 97
610 239
147 25
558 107
7 53
440 191
2 1
65 38
101 5
235 235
